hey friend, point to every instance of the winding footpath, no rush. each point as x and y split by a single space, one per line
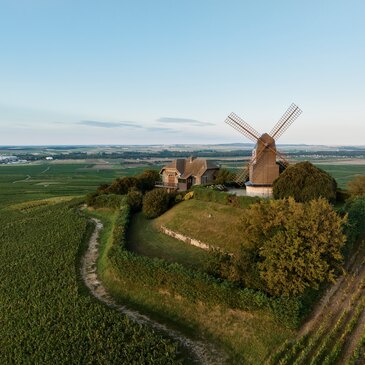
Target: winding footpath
202 352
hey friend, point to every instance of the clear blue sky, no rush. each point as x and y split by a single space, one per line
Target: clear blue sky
136 72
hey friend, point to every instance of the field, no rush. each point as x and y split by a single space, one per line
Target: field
43 180
47 316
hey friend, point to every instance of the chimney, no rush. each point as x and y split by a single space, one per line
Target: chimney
191 159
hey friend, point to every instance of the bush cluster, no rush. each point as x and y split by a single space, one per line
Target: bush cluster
211 195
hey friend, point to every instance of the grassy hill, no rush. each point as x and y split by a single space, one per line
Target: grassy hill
212 223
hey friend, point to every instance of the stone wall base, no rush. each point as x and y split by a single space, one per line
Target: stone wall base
262 191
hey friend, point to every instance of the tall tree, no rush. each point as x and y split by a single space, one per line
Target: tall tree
296 245
304 182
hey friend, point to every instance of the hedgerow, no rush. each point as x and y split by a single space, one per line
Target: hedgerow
210 195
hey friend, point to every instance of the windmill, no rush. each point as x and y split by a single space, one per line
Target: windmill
264 166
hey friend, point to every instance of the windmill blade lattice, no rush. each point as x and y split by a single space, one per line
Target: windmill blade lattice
241 176
240 125
285 121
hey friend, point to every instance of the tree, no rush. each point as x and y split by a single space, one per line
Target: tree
294 246
304 182
155 202
224 176
135 199
357 186
147 180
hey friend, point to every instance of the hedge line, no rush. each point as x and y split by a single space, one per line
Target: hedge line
195 286
211 195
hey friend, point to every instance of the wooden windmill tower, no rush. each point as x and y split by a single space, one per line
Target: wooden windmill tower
264 166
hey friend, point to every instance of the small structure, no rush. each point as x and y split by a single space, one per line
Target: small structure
183 173
49 158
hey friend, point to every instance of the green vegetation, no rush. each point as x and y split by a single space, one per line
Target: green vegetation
294 246
356 186
304 182
155 202
195 302
144 238
343 173
44 180
192 217
49 316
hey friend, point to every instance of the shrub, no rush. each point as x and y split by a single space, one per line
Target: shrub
304 182
224 176
357 186
135 199
155 202
112 201
355 228
210 195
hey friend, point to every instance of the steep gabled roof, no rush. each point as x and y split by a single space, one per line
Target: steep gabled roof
190 166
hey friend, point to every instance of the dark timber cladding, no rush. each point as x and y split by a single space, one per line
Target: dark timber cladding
263 168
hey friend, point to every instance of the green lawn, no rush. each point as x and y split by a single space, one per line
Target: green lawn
212 223
144 238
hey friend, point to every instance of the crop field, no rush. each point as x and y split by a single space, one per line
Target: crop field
343 173
46 314
43 180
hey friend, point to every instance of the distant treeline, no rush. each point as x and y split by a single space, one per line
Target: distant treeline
145 155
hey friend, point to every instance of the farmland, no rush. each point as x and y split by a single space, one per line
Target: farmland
47 316
42 180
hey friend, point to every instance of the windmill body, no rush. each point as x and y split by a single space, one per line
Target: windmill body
264 170
264 167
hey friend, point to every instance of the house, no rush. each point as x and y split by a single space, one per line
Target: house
182 173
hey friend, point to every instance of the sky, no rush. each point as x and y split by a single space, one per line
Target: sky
169 71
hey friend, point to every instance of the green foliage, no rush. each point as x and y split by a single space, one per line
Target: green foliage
155 202
135 199
104 201
210 195
147 180
156 275
355 228
356 186
224 176
49 317
304 182
294 245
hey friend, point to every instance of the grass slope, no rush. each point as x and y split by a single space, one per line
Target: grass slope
212 223
248 336
145 239
46 317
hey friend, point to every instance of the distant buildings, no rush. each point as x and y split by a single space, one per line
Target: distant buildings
183 173
8 159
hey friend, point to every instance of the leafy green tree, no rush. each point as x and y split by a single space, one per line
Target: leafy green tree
224 176
147 180
357 186
294 246
135 199
304 182
122 185
155 202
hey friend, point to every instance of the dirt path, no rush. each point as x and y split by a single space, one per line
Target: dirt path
26 179
203 353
